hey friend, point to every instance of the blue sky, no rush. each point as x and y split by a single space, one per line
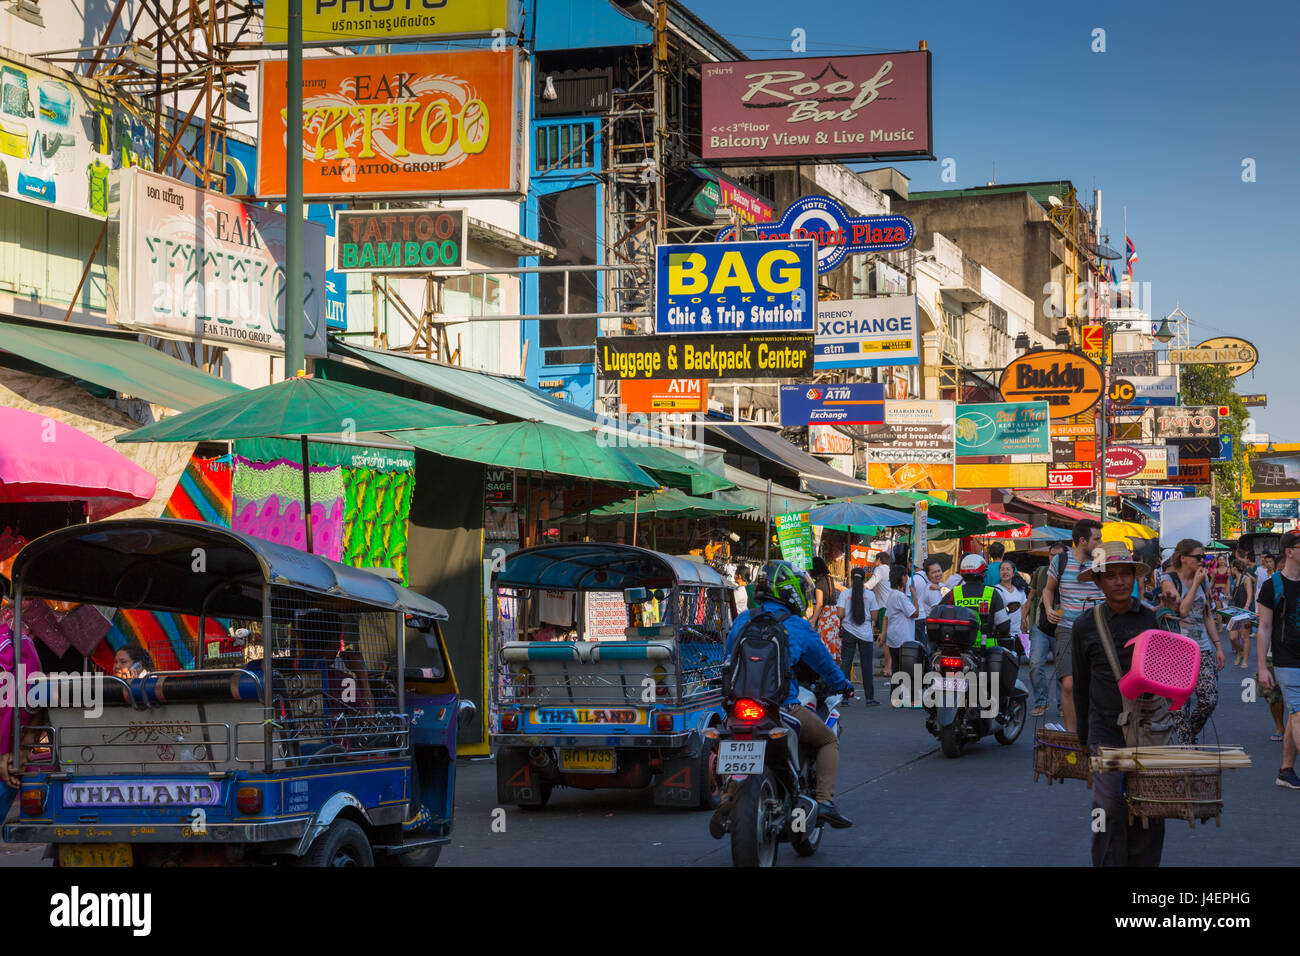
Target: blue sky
1160 122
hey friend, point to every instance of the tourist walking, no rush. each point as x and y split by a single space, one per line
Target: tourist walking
1065 597
855 606
1188 581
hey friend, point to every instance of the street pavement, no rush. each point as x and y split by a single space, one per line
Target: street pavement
910 805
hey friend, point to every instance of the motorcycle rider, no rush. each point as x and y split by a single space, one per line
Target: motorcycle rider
784 591
985 601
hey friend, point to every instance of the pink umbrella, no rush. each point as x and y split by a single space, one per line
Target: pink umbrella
45 460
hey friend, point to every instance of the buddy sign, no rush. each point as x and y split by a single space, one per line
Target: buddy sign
837 233
1067 381
735 287
394 125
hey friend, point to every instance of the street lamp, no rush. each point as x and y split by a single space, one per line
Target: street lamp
1164 334
1022 342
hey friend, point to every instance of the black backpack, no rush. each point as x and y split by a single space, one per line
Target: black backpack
760 667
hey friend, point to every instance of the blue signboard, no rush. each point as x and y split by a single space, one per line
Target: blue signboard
1279 510
837 233
1169 493
857 404
736 287
1225 449
1004 428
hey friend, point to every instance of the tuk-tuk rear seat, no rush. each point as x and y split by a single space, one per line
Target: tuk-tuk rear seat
618 651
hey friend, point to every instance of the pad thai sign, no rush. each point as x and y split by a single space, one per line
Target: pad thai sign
817 107
201 266
411 124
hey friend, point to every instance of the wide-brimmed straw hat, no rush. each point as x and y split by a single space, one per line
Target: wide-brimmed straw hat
1115 554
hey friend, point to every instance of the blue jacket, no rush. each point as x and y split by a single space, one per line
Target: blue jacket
805 645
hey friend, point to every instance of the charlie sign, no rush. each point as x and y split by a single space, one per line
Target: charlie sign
736 287
817 107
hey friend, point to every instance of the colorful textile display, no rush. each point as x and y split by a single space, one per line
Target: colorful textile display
374 532
267 503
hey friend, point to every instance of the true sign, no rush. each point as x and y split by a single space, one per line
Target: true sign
862 333
736 287
855 404
836 233
1070 479
399 240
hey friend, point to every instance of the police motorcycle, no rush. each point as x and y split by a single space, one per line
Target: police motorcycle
968 692
770 775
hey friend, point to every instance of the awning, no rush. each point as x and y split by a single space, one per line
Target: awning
1060 511
751 491
1141 508
486 232
500 396
815 476
125 365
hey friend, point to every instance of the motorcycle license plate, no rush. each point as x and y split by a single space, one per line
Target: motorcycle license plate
740 757
587 761
953 685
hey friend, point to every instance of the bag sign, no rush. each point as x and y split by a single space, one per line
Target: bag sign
736 287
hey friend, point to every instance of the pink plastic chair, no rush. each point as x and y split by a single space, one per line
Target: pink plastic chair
1165 664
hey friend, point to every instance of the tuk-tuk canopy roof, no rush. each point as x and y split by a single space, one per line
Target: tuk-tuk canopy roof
602 567
163 564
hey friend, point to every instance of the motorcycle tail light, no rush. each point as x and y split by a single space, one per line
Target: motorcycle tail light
663 723
509 721
33 801
249 800
950 663
746 709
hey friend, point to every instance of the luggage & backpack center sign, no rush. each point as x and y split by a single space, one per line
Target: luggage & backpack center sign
735 356
736 287
837 233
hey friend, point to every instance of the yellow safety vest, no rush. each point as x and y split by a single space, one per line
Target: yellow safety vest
982 605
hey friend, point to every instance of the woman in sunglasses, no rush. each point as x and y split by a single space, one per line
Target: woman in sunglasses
1186 586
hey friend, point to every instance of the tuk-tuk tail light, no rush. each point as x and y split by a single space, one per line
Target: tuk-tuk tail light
664 723
509 721
661 682
249 800
33 801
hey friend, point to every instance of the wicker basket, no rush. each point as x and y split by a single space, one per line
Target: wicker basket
1189 795
1057 754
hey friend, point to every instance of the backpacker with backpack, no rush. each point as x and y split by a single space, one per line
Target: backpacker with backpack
1292 643
760 667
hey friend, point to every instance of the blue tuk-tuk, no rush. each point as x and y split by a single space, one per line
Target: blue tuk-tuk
316 727
607 671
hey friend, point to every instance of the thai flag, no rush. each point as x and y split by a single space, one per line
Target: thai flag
1131 254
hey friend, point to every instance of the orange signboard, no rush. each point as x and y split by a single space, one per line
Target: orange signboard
409 124
914 475
1069 383
664 395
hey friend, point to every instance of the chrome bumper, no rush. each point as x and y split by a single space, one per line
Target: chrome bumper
156 833
666 741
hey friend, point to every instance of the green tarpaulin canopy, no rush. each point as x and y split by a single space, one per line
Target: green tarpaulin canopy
674 467
954 521
669 503
533 446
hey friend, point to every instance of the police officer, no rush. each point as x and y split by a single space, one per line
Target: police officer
985 601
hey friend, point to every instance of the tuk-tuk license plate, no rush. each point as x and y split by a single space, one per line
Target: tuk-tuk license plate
587 761
95 854
740 756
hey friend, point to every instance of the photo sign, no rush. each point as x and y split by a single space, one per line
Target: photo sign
399 125
1067 381
736 356
862 333
817 107
1016 428
342 22
837 234
201 266
399 240
859 403
915 433
712 288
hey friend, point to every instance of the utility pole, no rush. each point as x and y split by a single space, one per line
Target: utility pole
661 105
293 265
1105 387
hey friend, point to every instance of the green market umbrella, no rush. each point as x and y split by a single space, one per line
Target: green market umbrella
673 467
299 406
669 503
534 446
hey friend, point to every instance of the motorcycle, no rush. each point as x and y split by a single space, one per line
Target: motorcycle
769 778
967 694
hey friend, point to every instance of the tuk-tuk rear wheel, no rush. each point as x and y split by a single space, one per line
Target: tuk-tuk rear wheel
710 785
343 844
